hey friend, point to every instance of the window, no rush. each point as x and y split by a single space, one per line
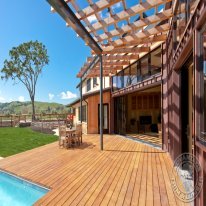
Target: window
156 61
144 67
127 80
84 113
148 65
114 83
88 85
94 82
133 76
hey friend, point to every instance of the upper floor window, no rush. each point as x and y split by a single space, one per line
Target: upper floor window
94 82
88 85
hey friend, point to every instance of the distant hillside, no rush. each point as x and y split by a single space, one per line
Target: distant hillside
26 108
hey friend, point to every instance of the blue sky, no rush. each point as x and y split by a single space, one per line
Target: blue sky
25 20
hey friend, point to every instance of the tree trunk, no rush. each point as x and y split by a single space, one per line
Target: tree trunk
33 108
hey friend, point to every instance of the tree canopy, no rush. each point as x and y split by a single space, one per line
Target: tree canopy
25 64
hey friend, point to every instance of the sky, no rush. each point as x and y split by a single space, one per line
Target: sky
25 20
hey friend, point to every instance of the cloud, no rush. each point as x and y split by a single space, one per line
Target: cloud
2 99
21 99
51 96
67 95
92 19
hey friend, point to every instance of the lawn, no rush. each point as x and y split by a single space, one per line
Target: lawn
16 140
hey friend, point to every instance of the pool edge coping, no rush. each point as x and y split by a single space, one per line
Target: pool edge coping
26 180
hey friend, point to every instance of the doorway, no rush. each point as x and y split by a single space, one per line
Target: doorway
105 118
187 106
120 115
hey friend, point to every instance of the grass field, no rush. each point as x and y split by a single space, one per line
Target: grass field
16 140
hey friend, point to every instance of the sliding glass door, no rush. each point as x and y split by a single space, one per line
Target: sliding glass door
120 115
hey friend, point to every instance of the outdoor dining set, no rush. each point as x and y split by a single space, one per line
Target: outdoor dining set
70 137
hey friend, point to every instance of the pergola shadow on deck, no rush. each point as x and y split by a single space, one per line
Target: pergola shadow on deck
125 173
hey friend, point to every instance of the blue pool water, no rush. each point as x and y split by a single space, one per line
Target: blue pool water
18 192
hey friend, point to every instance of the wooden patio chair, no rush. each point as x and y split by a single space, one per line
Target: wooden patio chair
63 139
78 134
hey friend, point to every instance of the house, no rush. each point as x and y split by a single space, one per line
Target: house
90 106
156 70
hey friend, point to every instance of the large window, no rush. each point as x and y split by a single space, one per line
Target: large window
133 73
114 83
142 69
127 79
88 85
156 63
84 113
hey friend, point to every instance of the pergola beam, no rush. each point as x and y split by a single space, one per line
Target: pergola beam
148 40
119 63
67 14
137 25
125 14
116 57
134 50
144 35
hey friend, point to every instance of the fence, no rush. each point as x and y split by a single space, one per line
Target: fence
16 120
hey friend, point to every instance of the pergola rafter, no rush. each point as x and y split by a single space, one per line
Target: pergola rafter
128 13
146 23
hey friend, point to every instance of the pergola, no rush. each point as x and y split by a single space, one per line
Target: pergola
118 32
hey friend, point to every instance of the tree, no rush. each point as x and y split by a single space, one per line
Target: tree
25 64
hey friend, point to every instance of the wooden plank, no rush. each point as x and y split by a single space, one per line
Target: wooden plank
125 173
149 40
97 7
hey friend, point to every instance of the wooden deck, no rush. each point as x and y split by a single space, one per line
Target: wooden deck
125 173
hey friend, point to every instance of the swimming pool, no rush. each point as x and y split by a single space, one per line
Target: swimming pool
15 191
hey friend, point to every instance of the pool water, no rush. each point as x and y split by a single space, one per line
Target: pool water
15 191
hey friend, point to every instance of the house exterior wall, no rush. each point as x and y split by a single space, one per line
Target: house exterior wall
106 84
93 102
176 52
90 126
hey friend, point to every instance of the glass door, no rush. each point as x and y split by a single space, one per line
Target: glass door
120 115
105 118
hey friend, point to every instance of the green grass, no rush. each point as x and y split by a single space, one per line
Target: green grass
16 140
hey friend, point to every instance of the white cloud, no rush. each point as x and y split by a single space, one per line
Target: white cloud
21 99
92 19
2 99
67 95
51 96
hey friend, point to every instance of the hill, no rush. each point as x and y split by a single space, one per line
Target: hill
26 107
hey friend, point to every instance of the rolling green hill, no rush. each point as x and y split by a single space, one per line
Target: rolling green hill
26 108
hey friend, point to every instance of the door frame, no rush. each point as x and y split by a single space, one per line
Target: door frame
105 131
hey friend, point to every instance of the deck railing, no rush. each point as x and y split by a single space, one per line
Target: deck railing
14 120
